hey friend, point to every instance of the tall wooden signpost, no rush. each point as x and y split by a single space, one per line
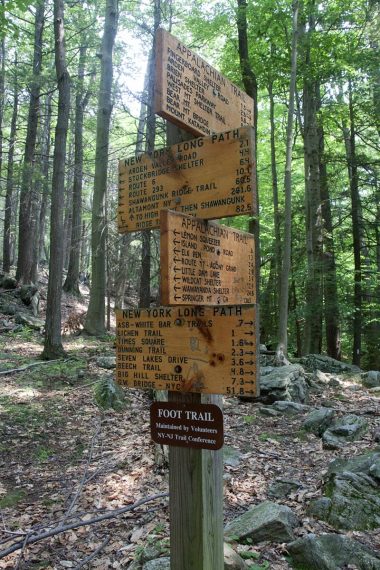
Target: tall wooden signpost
202 341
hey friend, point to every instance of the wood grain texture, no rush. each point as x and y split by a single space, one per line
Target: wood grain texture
205 263
210 350
208 177
196 502
193 94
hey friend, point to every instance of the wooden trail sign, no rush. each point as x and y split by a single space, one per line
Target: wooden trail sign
205 263
196 426
192 94
210 350
209 177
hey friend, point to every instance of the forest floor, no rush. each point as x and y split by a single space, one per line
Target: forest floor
62 459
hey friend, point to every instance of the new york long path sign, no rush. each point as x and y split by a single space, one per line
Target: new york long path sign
209 350
205 263
192 94
208 177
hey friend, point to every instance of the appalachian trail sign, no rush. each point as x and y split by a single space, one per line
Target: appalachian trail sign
192 94
205 263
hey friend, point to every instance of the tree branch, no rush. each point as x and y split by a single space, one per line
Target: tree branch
31 538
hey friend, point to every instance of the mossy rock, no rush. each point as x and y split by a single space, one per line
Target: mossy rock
351 495
330 552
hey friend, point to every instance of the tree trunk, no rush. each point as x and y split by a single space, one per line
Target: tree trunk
2 95
250 86
71 284
330 288
269 307
314 228
145 293
45 163
95 320
282 346
356 217
10 180
53 341
68 206
27 209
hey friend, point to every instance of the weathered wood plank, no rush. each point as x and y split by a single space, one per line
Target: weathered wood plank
196 502
209 350
208 177
205 263
192 94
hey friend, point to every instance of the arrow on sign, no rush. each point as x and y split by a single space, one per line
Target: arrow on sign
176 269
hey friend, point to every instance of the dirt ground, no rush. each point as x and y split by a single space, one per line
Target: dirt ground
63 459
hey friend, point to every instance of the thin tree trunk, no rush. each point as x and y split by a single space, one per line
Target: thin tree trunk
10 179
145 293
251 88
71 284
53 340
356 217
68 207
330 288
2 96
276 212
26 212
45 167
96 310
282 346
122 272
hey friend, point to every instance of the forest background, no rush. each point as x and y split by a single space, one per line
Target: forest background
70 108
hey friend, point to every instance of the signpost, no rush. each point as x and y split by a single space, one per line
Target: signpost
192 94
205 263
208 177
205 344
208 350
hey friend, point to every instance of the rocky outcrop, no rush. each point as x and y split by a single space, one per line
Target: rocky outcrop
351 498
283 383
314 362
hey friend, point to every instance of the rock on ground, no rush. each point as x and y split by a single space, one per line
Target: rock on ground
331 552
29 321
107 362
319 420
347 428
327 364
267 521
283 383
352 494
371 379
